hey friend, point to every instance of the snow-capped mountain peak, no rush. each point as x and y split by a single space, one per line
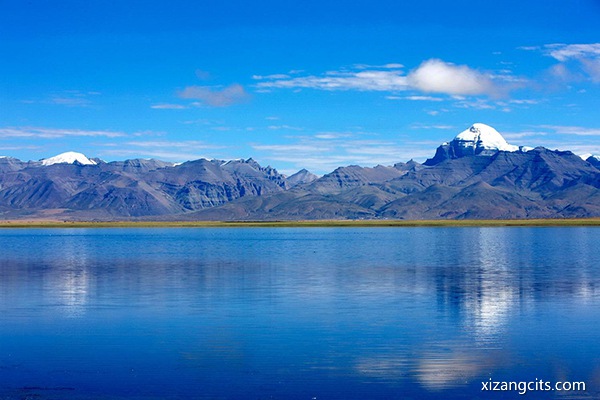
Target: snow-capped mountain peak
479 139
586 156
482 136
70 157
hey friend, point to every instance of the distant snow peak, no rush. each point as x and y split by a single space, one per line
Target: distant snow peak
477 140
70 157
482 136
593 159
587 156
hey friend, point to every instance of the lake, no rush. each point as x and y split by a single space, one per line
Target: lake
298 313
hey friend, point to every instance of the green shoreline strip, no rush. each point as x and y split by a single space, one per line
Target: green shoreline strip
300 224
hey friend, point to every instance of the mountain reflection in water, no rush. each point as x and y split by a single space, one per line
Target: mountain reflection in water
297 313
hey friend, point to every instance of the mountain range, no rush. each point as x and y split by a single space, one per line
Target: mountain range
477 175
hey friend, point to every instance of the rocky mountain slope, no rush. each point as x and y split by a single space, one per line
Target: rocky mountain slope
476 175
131 188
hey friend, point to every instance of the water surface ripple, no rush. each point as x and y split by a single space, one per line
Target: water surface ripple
297 313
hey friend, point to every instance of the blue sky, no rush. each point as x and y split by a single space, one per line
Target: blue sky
314 84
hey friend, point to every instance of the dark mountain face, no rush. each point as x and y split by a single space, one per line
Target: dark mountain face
594 160
132 188
535 184
470 177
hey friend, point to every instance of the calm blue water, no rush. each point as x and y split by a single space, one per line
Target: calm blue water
351 313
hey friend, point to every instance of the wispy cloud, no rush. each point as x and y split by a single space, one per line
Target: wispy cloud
186 144
215 96
416 98
12 148
572 130
580 139
284 127
587 55
70 101
287 148
52 133
167 150
165 155
525 101
67 98
332 135
521 135
324 152
168 106
430 126
477 104
271 77
563 52
362 80
576 60
432 76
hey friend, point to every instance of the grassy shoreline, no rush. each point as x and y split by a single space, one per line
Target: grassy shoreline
304 223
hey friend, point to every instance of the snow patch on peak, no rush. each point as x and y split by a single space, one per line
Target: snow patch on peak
482 136
587 156
70 157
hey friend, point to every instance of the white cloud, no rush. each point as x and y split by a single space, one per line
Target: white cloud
437 76
432 76
187 144
423 98
384 66
332 135
593 149
215 97
273 76
51 133
524 101
564 52
572 130
585 56
364 80
521 135
162 149
325 151
592 68
285 148
70 101
477 104
284 127
12 148
163 155
168 106
435 126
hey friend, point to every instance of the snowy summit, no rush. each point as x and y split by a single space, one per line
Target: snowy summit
479 139
70 157
482 136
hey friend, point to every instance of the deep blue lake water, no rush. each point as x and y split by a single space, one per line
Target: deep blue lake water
298 313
